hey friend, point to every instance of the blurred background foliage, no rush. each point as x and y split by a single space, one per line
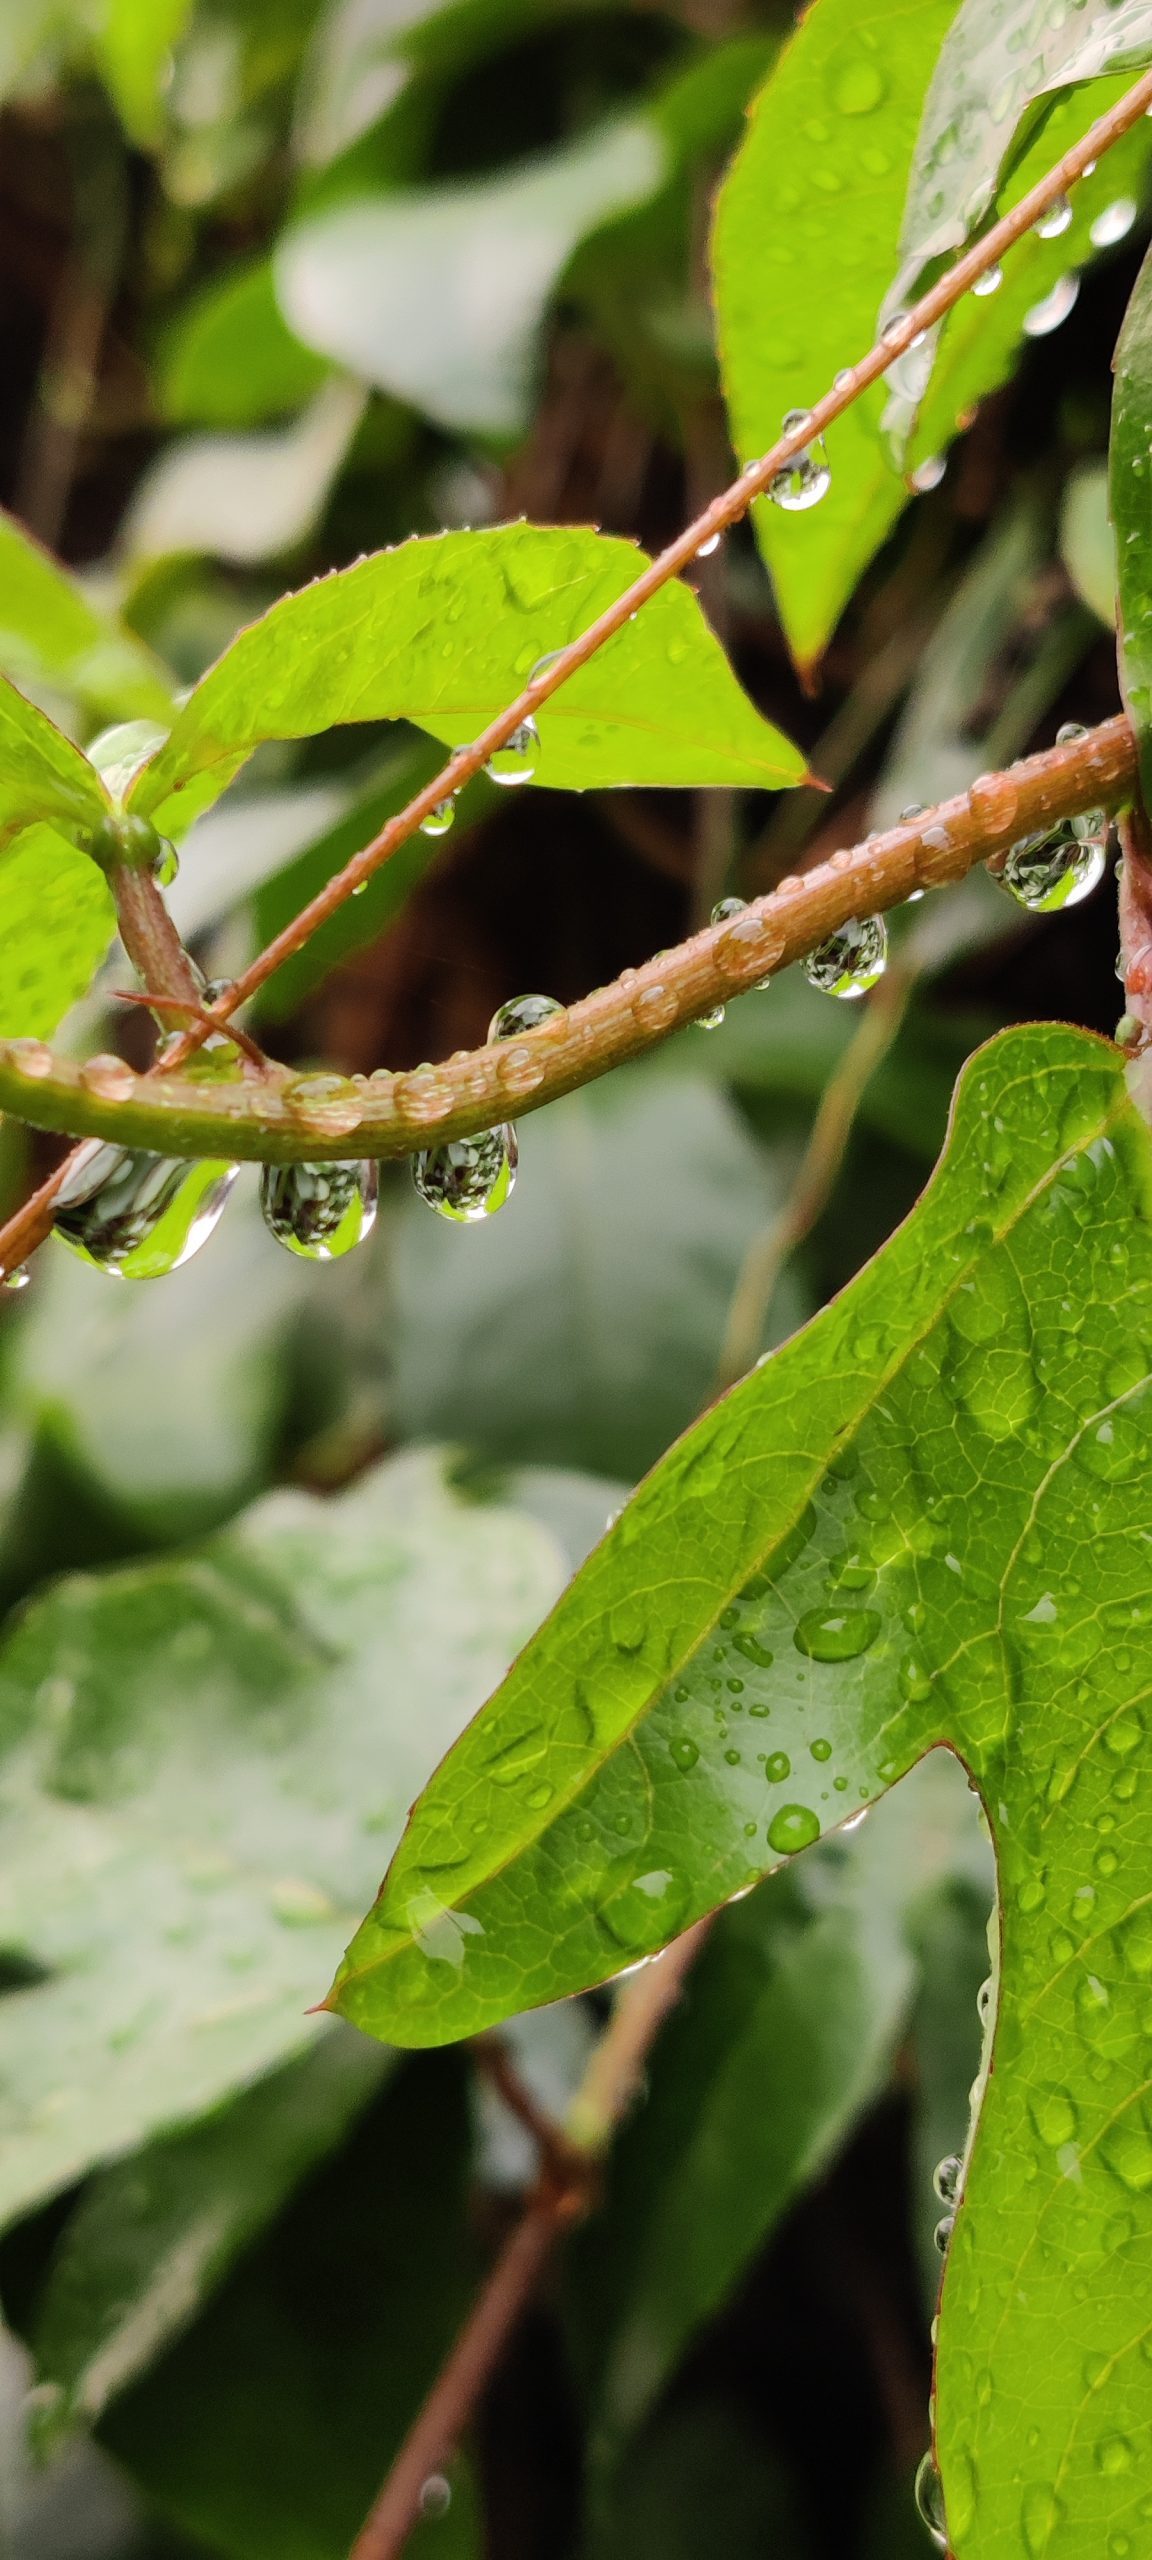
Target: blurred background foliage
283 281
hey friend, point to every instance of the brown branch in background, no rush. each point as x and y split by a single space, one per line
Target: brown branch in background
77 324
564 2193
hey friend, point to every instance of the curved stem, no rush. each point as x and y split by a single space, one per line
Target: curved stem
283 1118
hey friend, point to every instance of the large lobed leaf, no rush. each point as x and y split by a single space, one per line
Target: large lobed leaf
444 632
878 1543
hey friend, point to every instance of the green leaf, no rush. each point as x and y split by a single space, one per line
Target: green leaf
244 498
996 62
925 1520
230 360
203 1763
702 2481
443 632
807 227
50 633
1131 510
337 2325
56 922
152 2238
1087 542
586 1326
133 48
43 777
387 285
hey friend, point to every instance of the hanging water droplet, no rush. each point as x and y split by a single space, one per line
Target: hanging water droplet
929 474
930 2501
851 960
1060 868
943 2232
521 1013
984 2000
19 1278
1049 314
705 549
437 822
139 1216
989 282
946 2178
893 330
516 760
467 1179
1055 220
436 2495
806 479
1070 733
1114 223
319 1211
711 1020
166 866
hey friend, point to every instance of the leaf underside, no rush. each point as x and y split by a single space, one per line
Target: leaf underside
875 1545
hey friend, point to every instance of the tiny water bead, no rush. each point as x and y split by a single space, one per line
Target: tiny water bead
943 2232
711 1020
930 2501
438 820
1114 223
946 2178
989 282
850 960
138 1216
517 759
806 479
1050 314
108 1076
467 1179
705 550
520 1014
1060 867
1055 220
319 1211
724 912
19 1278
928 474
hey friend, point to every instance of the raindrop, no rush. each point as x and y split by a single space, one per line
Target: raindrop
704 550
1043 317
946 2178
438 820
515 761
1070 732
711 1020
851 960
467 1179
521 1013
31 1057
943 2232
989 282
915 809
435 2496
722 913
806 479
107 1076
1059 868
1114 223
319 1211
139 1216
894 328
929 474
794 1827
1055 220
984 2001
19 1278
166 867
930 2501
836 1635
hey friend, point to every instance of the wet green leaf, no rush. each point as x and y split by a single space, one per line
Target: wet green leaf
134 42
154 2236
56 922
1087 542
201 1761
876 1544
444 632
44 779
51 634
1131 510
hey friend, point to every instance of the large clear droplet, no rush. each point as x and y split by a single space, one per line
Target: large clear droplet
467 1179
806 479
137 1216
930 2501
1055 220
319 1211
1114 223
1059 868
850 961
516 760
521 1013
1051 313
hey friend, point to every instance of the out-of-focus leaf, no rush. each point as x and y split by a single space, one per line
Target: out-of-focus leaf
336 2327
245 498
204 1764
438 297
443 632
881 1536
1131 509
246 841
807 225
997 60
51 632
230 359
153 2237
939 743
585 1327
701 2482
134 50
44 779
56 922
1087 542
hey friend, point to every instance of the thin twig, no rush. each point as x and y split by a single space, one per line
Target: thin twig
151 940
724 511
184 1006
816 1177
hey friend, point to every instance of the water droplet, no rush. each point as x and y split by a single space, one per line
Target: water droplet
1126 2151
836 1635
647 1911
30 1057
331 1105
1114 223
320 1211
166 864
19 1278
946 2178
1055 220
1058 869
107 1076
989 282
794 1827
1113 2455
522 1013
851 960
685 1752
438 820
929 474
705 549
943 2232
930 2501
468 1178
984 2001
777 1767
1070 733
138 1216
436 2495
1054 2117
516 760
1047 315
858 87
803 481
711 1020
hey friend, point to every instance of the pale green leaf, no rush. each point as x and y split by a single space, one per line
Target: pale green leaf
925 1520
56 922
134 50
1087 542
244 498
443 632
229 359
52 633
44 779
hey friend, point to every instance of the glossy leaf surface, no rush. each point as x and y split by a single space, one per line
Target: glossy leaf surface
444 633
875 1544
200 1759
56 922
43 777
51 633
